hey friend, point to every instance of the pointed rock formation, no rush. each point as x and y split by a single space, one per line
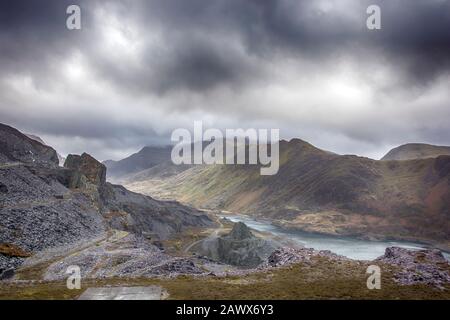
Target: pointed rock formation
87 166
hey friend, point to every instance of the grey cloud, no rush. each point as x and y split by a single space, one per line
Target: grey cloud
238 60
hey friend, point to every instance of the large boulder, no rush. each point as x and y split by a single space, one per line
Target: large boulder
87 166
239 248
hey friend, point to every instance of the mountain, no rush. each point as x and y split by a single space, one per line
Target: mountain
46 207
38 139
318 191
150 162
146 158
416 151
17 147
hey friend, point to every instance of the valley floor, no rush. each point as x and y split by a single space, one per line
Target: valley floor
319 278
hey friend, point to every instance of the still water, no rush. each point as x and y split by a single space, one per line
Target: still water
348 247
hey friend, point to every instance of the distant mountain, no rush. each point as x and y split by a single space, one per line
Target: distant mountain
318 191
146 158
416 151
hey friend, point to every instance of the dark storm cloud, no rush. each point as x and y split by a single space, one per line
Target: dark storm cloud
223 58
415 37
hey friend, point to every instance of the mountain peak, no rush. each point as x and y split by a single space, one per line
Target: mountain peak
412 151
240 231
17 147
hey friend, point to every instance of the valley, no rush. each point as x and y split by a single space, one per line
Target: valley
319 191
308 235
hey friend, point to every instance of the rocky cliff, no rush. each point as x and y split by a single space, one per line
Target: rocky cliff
17 147
44 206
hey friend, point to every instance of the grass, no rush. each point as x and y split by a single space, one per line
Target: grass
324 279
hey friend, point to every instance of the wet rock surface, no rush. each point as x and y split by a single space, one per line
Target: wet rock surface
418 266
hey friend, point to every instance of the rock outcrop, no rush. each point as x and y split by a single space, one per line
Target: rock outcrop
239 248
88 168
39 212
159 220
418 266
17 147
285 256
44 206
61 159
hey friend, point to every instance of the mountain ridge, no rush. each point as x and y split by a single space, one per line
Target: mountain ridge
412 151
319 191
145 158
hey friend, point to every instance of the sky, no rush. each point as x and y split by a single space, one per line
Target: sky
138 69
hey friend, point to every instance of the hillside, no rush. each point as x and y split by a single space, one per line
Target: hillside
46 207
317 191
38 139
17 147
412 151
52 218
146 158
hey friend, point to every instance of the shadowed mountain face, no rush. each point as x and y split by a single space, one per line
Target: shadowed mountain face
147 158
38 139
318 191
44 206
416 151
17 147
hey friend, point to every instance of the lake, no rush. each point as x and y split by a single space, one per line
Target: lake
349 247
